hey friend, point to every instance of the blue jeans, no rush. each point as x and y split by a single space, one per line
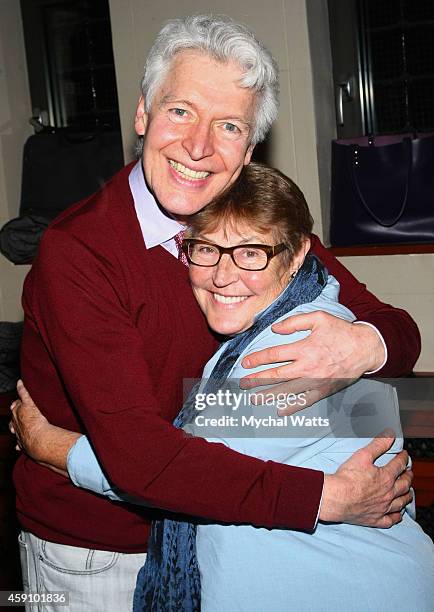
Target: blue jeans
96 580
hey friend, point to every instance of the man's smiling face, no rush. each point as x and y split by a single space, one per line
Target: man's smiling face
197 133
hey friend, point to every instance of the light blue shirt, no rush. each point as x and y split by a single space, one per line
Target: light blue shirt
338 567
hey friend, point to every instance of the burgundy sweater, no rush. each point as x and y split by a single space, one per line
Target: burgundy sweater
111 330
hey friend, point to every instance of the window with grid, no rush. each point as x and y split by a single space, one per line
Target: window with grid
397 62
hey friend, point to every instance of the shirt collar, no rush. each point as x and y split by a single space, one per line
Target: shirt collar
157 227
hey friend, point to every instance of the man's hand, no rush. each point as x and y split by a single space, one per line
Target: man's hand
362 494
27 423
42 441
334 355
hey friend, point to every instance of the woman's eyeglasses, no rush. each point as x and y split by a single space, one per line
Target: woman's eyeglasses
246 256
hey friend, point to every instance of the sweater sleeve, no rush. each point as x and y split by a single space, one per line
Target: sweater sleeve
398 329
87 329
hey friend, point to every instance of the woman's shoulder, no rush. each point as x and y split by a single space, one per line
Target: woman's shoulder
327 301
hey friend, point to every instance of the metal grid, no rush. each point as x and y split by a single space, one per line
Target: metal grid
399 40
81 66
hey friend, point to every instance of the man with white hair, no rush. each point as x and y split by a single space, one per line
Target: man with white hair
112 329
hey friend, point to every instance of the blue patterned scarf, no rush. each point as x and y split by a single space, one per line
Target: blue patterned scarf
170 581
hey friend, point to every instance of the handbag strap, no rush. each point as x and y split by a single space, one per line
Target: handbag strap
407 145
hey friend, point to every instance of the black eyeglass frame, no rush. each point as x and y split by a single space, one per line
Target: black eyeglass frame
270 251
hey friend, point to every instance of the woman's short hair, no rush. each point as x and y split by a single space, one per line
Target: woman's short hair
223 39
261 197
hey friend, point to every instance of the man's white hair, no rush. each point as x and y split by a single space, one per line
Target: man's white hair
224 40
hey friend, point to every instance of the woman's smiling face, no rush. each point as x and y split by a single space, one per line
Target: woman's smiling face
229 296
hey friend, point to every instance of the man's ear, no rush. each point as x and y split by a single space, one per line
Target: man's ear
248 155
141 118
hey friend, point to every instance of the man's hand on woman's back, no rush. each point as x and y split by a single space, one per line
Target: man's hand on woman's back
361 493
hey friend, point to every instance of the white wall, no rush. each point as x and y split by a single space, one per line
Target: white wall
15 111
406 281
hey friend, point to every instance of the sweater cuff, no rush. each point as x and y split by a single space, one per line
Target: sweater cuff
302 497
402 339
382 342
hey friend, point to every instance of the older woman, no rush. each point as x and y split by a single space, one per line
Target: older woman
249 268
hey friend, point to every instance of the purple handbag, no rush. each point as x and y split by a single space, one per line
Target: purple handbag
382 190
